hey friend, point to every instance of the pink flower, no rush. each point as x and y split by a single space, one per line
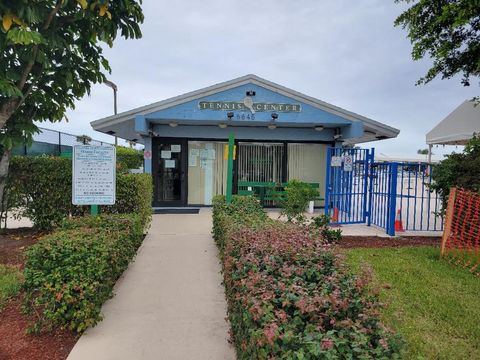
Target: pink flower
326 344
383 343
270 332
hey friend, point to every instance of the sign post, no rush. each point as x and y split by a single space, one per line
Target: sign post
231 147
94 174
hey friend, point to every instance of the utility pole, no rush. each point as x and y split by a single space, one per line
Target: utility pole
115 89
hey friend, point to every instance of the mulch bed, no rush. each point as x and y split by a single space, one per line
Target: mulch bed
382 242
15 343
13 242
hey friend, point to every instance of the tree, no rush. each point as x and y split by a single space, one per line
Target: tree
449 32
50 55
422 151
460 170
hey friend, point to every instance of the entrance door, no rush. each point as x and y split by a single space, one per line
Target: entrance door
169 172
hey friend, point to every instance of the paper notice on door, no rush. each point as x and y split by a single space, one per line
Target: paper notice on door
176 148
169 164
194 152
336 161
166 154
192 160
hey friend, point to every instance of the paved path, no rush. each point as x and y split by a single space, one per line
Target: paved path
169 304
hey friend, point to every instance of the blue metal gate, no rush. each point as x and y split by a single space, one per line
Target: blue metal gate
360 190
383 183
347 185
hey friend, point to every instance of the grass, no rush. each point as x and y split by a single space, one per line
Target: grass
10 282
432 304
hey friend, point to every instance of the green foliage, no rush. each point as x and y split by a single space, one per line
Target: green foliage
458 170
298 195
71 273
10 283
128 158
321 224
51 54
433 305
134 195
245 210
40 187
448 31
288 294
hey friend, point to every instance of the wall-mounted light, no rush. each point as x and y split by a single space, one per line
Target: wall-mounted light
272 126
318 128
222 126
173 124
230 115
274 116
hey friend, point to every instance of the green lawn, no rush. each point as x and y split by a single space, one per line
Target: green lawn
432 304
10 282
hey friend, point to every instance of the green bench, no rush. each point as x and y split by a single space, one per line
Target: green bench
267 191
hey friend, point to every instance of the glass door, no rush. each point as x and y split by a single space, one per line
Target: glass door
169 172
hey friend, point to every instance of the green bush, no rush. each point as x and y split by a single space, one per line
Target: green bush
321 224
42 189
134 195
128 158
298 195
70 273
242 210
290 296
458 170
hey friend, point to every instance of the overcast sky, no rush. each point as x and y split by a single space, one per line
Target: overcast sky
344 52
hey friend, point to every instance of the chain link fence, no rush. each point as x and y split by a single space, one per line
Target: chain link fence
51 142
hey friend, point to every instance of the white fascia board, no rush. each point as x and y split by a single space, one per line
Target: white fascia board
214 89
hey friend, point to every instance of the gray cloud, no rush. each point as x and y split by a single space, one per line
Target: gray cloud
343 52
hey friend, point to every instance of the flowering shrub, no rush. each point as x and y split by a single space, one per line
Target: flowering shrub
290 297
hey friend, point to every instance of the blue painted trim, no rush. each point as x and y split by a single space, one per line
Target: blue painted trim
327 181
369 177
141 124
392 199
147 163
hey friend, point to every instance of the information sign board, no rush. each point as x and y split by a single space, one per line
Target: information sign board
93 175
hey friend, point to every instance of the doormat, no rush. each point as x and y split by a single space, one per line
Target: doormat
176 211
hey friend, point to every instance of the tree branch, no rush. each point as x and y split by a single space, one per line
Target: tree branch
46 25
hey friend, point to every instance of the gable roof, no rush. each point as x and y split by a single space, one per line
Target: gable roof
371 126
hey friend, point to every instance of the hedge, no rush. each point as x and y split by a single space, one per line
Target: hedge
289 295
128 158
41 189
70 273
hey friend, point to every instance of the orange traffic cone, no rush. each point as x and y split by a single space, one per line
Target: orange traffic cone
335 215
398 222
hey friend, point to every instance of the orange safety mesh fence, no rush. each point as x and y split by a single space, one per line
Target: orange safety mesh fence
461 238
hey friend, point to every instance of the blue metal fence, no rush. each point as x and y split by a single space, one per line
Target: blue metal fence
417 205
381 194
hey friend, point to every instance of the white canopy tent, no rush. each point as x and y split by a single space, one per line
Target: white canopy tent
458 127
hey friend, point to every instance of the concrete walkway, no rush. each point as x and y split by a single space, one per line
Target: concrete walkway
169 304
